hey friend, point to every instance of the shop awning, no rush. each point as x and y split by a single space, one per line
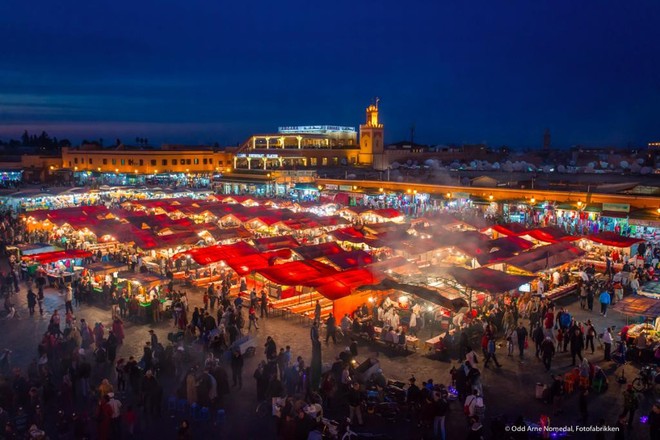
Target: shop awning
351 259
51 257
614 240
545 257
638 305
315 251
614 214
488 280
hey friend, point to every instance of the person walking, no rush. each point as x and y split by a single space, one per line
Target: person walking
591 335
237 368
583 404
537 336
604 300
264 303
490 353
331 329
630 404
577 344
521 333
355 403
607 343
252 317
68 298
31 301
547 352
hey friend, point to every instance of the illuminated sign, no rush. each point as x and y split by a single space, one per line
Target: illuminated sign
318 129
616 207
257 156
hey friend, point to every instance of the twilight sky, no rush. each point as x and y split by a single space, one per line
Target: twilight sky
200 71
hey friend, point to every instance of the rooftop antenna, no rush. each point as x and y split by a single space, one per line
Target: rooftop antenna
377 101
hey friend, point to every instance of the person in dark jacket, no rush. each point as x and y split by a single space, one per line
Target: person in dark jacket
547 352
577 344
237 368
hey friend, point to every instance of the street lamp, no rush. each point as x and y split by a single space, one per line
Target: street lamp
579 203
532 200
490 197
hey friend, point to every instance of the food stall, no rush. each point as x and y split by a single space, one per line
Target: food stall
599 245
58 266
645 311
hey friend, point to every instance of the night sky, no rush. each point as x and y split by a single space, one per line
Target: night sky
202 71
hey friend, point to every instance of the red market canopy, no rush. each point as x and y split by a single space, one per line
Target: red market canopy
613 239
511 243
351 259
342 284
251 263
213 254
510 229
488 280
388 213
296 273
315 251
550 234
271 243
51 257
353 235
546 257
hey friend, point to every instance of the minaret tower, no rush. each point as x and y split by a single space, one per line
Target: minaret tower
371 139
546 140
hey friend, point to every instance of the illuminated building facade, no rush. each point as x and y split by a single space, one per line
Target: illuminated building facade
313 146
144 162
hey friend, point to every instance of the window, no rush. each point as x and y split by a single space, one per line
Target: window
313 161
335 160
130 162
164 162
153 162
90 160
220 163
141 162
188 162
353 160
75 160
211 162
324 161
70 164
205 161
196 161
175 161
114 161
123 161
105 161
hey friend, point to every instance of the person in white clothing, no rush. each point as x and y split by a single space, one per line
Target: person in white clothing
607 343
